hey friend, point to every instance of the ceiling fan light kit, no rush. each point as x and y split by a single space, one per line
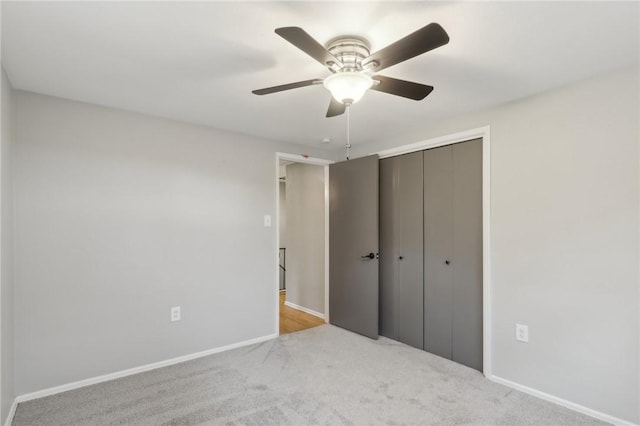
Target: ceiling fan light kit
349 60
348 87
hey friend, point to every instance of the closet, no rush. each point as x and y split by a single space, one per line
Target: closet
431 251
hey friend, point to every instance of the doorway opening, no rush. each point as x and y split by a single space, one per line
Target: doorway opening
302 240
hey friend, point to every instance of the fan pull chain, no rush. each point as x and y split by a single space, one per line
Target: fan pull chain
348 146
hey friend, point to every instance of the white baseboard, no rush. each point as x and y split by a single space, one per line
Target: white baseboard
563 402
136 370
303 309
12 412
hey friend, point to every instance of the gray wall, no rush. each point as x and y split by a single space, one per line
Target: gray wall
305 236
564 223
6 252
121 216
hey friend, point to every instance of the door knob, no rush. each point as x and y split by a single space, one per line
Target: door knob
400 257
369 256
446 262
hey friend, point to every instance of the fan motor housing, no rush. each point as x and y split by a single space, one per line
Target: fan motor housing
350 50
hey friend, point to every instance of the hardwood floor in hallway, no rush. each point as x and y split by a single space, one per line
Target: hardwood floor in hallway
292 320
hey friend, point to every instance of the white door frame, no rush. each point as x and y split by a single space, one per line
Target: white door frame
485 134
319 162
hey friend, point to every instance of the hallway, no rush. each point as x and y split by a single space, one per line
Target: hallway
292 320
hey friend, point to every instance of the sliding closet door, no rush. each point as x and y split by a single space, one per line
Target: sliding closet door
389 247
467 254
438 242
410 250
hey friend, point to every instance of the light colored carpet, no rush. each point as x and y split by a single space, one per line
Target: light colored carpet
321 376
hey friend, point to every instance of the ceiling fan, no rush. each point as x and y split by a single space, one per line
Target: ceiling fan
349 60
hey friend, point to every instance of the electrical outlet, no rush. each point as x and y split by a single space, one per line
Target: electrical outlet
522 333
175 313
267 220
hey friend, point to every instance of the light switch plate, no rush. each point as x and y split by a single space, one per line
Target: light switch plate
522 333
267 220
175 313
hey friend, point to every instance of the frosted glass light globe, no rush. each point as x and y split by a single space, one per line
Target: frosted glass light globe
348 87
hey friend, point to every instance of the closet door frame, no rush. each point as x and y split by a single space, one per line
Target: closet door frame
467 135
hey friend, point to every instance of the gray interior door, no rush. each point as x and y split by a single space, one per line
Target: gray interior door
453 252
353 245
467 254
389 247
410 250
438 242
401 249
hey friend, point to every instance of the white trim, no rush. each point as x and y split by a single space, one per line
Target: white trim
319 162
563 402
12 413
485 134
302 159
487 313
326 243
123 373
303 309
276 318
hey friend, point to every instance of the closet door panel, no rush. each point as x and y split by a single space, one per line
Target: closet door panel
438 276
388 247
410 250
467 254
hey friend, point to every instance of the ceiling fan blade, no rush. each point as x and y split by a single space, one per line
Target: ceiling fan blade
406 89
335 108
425 39
303 41
289 86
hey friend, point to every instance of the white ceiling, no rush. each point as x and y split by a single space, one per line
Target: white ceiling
198 62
